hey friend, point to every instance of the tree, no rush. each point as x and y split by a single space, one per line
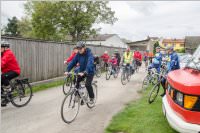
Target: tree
25 27
12 27
56 20
154 47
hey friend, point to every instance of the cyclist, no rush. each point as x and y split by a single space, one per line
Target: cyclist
156 61
146 58
96 61
73 54
105 58
9 66
86 60
71 57
127 58
117 55
113 62
172 65
137 56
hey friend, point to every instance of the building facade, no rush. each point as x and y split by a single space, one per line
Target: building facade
176 43
110 40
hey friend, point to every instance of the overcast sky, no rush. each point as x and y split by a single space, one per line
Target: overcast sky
137 20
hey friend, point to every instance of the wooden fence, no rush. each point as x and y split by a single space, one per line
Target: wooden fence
41 60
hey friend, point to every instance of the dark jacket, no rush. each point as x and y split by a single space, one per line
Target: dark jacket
86 62
118 57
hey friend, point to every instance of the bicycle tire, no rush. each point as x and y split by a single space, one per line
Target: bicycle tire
67 85
70 95
123 78
23 86
154 90
98 73
145 83
108 74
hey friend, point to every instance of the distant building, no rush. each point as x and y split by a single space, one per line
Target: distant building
111 40
176 43
191 43
144 45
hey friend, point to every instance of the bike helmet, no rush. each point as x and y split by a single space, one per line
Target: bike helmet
5 44
80 44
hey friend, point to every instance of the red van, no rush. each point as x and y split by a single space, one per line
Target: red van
181 105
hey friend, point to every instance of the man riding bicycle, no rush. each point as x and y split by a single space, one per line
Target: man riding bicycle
127 58
96 61
137 57
86 60
9 66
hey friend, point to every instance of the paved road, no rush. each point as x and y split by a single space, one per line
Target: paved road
42 115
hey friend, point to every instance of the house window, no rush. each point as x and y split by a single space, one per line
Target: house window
165 44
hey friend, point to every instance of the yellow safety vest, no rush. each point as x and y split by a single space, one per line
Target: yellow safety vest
127 58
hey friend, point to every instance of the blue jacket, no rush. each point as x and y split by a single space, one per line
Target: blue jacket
157 58
174 62
85 60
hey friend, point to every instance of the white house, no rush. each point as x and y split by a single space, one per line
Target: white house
112 40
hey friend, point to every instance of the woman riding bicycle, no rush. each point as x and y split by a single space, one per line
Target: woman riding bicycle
9 66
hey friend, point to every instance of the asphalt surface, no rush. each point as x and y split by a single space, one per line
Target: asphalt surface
42 114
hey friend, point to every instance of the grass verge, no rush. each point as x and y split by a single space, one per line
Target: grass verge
46 86
140 117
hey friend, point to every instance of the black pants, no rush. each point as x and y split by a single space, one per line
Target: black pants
88 84
6 77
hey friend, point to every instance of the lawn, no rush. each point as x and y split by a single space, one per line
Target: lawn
140 117
46 86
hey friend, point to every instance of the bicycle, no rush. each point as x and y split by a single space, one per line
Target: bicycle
98 71
68 83
19 92
155 90
110 71
72 101
150 78
126 74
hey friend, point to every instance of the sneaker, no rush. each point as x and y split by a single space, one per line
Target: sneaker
3 103
91 101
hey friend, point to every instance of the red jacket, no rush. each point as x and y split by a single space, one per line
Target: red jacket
9 62
137 55
105 57
113 61
71 57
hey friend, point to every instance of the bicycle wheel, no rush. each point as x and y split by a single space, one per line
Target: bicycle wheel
98 72
123 78
154 93
108 73
67 85
21 94
128 73
145 82
95 96
70 107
